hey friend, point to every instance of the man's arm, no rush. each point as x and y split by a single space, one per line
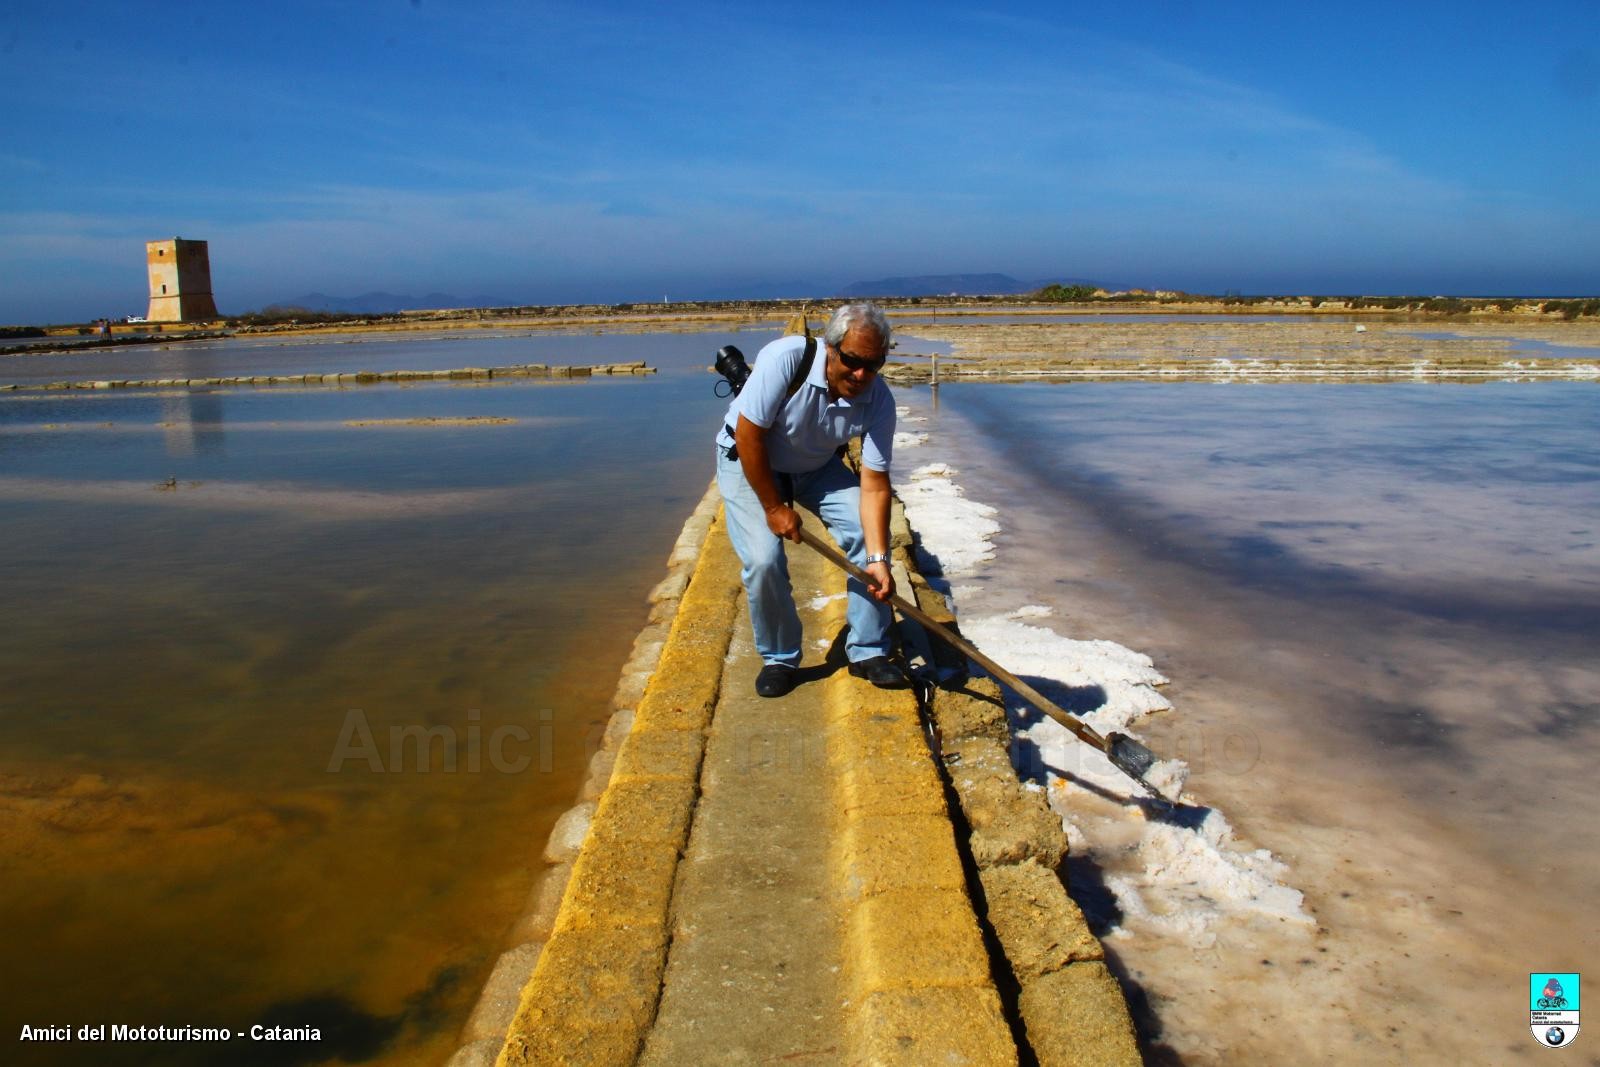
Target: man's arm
782 520
875 494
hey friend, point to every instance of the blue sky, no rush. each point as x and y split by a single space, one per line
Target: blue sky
552 152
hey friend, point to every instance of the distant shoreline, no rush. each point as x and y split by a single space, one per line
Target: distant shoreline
991 339
686 314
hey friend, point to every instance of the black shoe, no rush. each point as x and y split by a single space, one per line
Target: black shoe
775 680
881 672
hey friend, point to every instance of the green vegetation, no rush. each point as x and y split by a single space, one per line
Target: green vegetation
1065 294
1571 309
277 315
1437 305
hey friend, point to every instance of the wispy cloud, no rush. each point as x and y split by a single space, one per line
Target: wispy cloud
10 161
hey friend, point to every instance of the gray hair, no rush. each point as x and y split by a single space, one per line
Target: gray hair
861 313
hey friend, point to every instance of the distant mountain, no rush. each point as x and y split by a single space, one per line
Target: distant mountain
385 303
946 284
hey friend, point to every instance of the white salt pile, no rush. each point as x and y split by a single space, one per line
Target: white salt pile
1127 677
1180 875
908 440
953 531
1194 877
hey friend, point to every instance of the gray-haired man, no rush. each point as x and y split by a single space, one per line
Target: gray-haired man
773 441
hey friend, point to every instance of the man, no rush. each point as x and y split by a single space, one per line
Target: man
776 450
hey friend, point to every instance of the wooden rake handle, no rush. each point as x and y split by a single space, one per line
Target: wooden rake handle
944 633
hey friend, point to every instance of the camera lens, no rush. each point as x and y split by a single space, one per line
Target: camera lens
732 366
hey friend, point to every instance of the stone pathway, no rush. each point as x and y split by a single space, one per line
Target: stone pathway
779 881
754 970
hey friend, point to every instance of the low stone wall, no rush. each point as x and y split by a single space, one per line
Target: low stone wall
1071 1006
363 377
645 742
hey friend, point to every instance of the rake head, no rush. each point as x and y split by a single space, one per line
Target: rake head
1134 760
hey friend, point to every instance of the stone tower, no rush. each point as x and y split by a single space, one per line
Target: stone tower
180 281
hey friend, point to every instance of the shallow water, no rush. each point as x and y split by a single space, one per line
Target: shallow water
215 599
1526 346
1377 606
348 353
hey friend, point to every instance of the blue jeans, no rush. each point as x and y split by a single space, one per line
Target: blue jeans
833 493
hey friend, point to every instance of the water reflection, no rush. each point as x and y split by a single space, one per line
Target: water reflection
194 611
191 422
1489 494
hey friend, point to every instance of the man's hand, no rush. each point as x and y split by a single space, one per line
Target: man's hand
882 587
875 496
784 521
752 441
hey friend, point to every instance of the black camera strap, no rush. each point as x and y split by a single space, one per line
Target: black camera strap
799 378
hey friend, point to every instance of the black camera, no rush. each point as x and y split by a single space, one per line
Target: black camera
733 368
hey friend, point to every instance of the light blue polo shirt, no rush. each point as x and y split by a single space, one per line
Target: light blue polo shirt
804 433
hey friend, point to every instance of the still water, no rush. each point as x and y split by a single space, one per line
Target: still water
214 599
1378 607
268 354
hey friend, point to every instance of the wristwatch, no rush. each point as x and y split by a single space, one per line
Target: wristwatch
884 558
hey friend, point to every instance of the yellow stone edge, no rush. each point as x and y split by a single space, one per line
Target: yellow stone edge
592 996
1074 1015
937 1004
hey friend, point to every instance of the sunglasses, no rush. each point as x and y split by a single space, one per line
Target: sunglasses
871 366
